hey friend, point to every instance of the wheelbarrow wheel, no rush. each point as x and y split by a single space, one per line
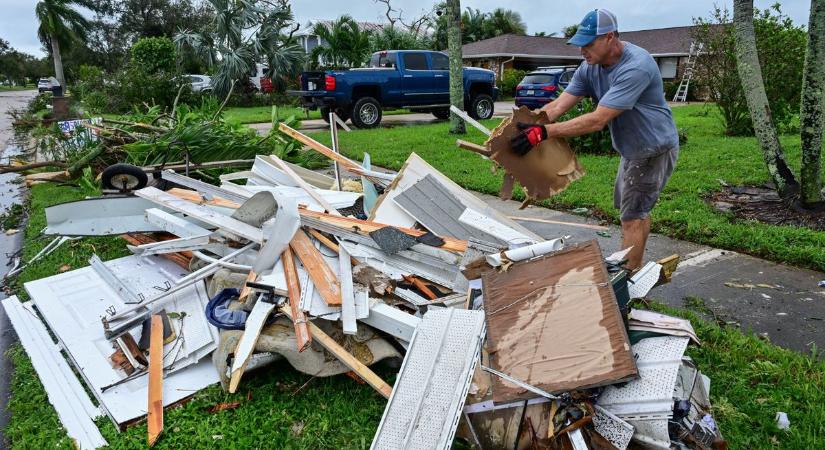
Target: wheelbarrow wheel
124 177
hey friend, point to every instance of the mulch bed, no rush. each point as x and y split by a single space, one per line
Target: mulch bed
763 204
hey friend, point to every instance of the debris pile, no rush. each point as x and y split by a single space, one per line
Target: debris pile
507 339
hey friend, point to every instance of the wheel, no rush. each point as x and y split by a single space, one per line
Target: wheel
341 112
481 107
124 177
366 113
442 113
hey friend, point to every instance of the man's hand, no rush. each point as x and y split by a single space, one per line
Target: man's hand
530 136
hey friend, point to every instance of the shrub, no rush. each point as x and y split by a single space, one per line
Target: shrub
599 142
96 102
89 79
155 54
781 47
511 79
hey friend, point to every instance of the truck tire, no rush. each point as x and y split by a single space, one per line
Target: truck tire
342 114
481 107
366 113
442 113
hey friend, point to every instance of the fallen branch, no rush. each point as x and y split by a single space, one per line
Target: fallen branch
37 165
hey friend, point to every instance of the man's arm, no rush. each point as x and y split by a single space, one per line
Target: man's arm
584 124
559 106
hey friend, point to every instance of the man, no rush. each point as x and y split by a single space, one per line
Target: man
626 84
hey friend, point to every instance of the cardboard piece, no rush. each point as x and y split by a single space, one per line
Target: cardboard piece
545 170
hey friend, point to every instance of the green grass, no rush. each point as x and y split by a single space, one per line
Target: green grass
259 114
751 381
707 157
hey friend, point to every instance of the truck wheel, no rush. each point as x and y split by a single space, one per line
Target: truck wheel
342 114
481 107
366 113
442 113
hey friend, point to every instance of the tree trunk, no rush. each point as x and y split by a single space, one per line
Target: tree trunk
750 74
456 65
810 116
58 63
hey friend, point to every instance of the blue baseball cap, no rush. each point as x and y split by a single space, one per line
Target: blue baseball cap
594 24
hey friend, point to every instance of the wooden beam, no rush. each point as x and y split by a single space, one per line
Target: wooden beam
559 222
415 281
480 149
294 288
324 279
154 418
327 242
346 358
319 147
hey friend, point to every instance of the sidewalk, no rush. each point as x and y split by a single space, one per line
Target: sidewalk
501 109
782 302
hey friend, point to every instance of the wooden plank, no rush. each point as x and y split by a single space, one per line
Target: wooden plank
415 281
304 185
294 288
202 213
322 276
559 222
346 357
154 418
246 345
319 147
327 242
480 149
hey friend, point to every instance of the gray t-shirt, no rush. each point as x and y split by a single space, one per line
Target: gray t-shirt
634 84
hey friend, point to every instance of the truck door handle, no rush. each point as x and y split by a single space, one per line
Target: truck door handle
439 76
407 76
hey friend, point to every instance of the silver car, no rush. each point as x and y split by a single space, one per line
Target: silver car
47 84
200 83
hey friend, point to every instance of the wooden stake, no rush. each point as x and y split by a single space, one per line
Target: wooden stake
480 149
294 288
324 279
154 419
305 186
346 358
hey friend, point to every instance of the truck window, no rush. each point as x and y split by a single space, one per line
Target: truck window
383 60
440 61
415 61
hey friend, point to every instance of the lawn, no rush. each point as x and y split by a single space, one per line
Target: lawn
258 114
18 88
751 381
682 212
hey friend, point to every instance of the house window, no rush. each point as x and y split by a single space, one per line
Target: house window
667 66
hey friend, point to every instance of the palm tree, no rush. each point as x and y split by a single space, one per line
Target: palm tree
61 25
473 27
244 33
505 21
345 44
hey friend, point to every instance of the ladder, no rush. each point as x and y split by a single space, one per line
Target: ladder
682 91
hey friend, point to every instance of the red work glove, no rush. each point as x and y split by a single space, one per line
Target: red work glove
529 137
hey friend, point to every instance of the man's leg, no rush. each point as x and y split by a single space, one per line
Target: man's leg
634 233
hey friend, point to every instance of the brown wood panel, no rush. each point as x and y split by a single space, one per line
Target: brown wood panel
324 279
154 418
294 288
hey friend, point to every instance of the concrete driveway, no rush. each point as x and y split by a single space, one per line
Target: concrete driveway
501 109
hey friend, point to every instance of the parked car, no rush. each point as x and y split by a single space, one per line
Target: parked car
47 84
414 79
538 88
200 83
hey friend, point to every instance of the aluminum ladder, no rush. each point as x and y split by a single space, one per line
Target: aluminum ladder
682 91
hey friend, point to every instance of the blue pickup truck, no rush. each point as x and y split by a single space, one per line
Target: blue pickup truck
414 79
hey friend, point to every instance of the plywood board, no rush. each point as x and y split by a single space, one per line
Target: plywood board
323 277
554 323
545 170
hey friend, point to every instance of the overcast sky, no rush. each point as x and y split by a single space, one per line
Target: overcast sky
19 26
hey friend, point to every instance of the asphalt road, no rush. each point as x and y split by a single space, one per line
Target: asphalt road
9 194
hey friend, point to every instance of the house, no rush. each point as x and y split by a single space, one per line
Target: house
668 46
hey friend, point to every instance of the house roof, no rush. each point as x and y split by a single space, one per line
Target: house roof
674 41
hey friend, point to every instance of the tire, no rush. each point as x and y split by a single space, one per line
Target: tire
124 177
442 113
342 113
481 107
366 113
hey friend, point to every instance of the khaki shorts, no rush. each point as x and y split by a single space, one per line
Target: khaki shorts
639 183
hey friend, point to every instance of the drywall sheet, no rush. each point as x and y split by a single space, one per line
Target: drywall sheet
554 323
415 168
438 210
72 304
545 170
